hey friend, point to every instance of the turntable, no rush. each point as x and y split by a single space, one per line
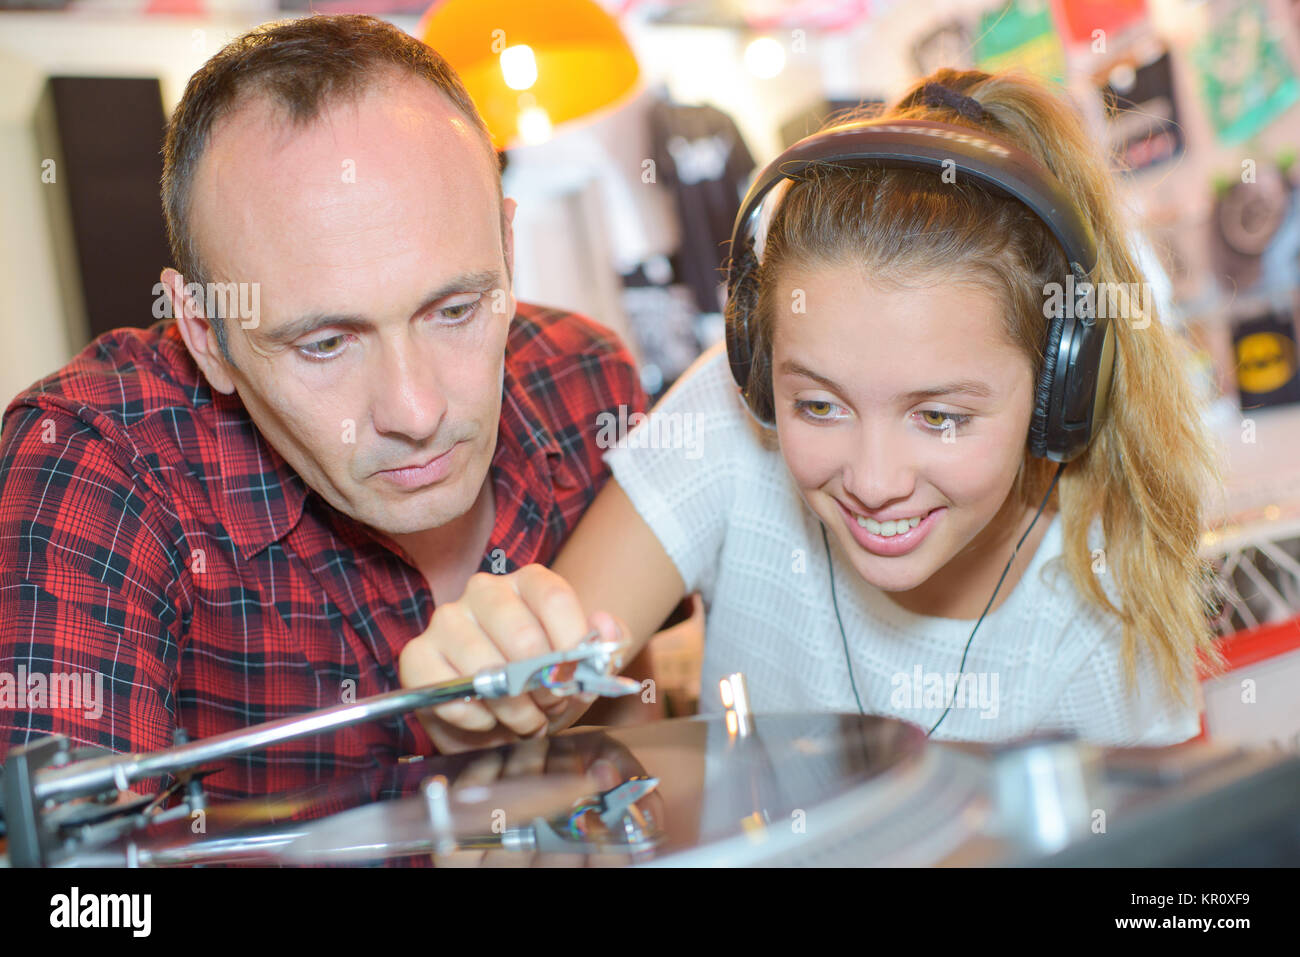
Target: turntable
734 790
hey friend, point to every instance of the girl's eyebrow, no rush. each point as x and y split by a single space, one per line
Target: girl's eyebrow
790 367
972 387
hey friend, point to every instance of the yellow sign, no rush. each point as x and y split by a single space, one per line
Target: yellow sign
1265 362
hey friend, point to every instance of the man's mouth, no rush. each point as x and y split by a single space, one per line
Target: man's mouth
420 474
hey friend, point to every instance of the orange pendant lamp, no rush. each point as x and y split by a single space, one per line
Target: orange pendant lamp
531 65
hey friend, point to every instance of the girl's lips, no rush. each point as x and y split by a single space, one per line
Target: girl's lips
894 545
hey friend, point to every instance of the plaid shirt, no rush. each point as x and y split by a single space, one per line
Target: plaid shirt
151 540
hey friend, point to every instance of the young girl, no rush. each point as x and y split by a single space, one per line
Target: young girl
846 553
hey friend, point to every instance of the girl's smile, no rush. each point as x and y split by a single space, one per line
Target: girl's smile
893 537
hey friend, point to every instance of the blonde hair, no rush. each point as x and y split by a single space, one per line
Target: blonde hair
1151 460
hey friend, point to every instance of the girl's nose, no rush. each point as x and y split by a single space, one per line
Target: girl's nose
880 471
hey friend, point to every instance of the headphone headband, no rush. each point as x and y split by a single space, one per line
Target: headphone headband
920 144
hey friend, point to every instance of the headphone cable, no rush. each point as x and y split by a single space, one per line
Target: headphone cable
961 670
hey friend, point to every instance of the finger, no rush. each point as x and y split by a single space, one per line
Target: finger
475 650
504 613
567 709
555 604
421 663
558 704
509 623
610 628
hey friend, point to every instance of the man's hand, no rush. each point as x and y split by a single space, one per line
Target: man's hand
500 618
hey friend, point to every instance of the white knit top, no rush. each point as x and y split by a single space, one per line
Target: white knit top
729 515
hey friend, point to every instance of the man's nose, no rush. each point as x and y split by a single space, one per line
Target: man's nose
881 469
408 399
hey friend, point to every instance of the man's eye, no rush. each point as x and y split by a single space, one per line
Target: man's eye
324 348
461 311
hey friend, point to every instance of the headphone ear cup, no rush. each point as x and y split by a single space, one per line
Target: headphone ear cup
742 299
1039 423
739 354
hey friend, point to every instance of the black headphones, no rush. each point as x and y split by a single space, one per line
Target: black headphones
1071 395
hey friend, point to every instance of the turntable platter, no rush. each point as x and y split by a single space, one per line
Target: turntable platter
823 789
796 789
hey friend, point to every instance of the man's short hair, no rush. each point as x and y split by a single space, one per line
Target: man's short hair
299 65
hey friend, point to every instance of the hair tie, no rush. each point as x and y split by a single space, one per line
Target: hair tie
936 94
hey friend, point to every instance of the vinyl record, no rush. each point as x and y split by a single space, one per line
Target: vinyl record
790 789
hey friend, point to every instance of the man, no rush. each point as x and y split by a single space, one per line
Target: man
245 513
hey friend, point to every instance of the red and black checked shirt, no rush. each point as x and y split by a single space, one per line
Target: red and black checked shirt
149 534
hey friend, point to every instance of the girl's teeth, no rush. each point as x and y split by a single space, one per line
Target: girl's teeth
890 528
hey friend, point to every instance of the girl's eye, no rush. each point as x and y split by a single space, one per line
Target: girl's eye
817 410
938 421
324 348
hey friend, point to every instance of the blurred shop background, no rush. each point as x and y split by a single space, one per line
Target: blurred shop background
631 129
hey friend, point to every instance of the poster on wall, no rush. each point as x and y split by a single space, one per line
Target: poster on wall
1142 116
1020 33
1244 74
1257 231
1265 347
947 45
1087 21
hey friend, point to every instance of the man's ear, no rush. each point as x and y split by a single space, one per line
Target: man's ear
188 308
508 207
